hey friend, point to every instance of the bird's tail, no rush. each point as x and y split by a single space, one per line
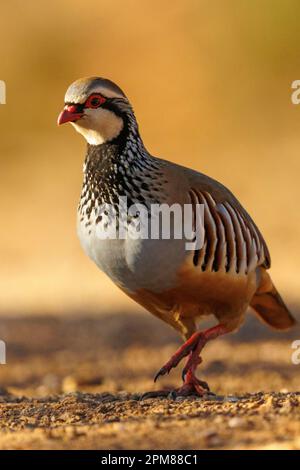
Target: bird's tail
272 310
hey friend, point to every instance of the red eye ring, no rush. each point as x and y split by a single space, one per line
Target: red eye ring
94 101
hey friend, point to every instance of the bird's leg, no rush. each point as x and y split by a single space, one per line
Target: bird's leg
182 352
204 337
191 384
193 346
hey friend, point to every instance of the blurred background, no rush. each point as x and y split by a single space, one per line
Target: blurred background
210 83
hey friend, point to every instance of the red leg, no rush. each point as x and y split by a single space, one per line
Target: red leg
191 384
193 346
207 335
183 351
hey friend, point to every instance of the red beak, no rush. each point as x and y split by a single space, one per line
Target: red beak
69 114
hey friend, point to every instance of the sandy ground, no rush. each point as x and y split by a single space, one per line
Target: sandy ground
72 383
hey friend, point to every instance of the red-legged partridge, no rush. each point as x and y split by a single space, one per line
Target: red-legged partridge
223 277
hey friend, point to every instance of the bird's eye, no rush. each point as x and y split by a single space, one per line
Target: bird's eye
94 101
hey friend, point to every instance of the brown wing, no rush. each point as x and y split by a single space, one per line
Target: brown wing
232 240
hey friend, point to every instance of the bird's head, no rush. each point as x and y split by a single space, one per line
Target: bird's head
97 108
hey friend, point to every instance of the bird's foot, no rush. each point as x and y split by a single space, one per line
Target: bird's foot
182 352
155 394
191 386
193 347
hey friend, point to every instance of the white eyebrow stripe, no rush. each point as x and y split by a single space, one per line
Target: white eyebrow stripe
107 92
81 98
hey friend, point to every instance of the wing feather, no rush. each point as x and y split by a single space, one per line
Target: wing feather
233 242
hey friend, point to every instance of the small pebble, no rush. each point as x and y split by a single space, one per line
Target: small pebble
235 422
69 384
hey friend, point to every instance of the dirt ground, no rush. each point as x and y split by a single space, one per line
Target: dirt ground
78 383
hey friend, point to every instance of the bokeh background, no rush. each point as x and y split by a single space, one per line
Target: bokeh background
210 82
211 86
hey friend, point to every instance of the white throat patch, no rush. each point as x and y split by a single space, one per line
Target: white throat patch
99 126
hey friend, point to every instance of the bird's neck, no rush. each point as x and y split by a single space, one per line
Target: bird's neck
118 168
124 153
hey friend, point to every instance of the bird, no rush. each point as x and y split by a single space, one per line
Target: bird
221 278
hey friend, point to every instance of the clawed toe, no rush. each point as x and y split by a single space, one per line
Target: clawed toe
192 386
155 394
163 371
204 385
189 390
